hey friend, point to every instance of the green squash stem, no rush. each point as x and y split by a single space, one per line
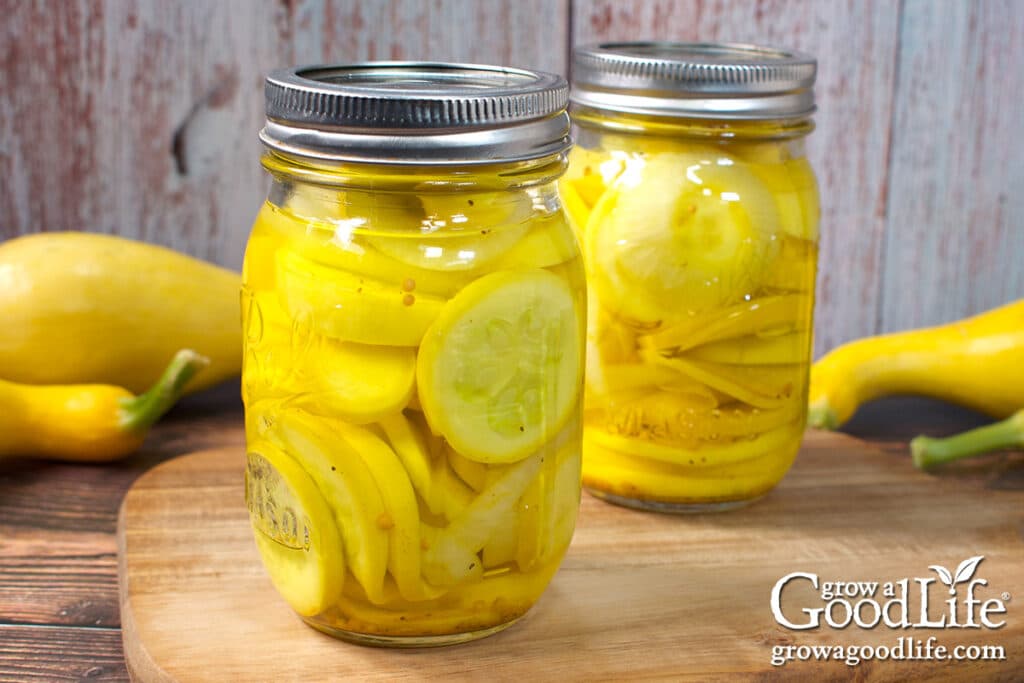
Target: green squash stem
1009 433
141 412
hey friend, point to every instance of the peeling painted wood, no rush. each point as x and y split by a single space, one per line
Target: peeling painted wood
137 118
955 230
526 33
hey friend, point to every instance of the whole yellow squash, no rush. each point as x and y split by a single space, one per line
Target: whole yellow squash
87 422
977 362
79 308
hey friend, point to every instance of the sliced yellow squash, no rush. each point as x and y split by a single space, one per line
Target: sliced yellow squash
470 471
548 243
412 449
766 316
295 531
499 371
490 512
360 383
784 349
348 486
689 233
708 455
450 494
351 307
460 231
402 519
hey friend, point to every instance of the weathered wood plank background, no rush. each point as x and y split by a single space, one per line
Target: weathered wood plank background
139 117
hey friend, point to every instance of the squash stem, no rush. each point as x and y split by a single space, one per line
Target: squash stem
927 452
140 412
821 416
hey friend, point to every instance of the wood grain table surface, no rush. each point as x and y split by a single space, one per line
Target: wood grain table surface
59 615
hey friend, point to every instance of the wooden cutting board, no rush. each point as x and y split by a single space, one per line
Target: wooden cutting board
639 595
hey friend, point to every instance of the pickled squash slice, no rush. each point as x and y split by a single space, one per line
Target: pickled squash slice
499 372
792 270
490 512
575 208
544 246
796 193
764 317
411 448
728 452
358 382
687 233
353 308
676 419
559 520
401 518
591 172
470 471
337 244
459 231
350 487
788 348
762 386
295 531
624 474
450 494
547 511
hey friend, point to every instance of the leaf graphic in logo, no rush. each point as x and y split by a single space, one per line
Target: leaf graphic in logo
966 569
944 575
964 572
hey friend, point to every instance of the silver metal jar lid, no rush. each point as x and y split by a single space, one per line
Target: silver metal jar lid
416 113
695 80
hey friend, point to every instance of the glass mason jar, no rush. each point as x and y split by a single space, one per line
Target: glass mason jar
414 315
698 216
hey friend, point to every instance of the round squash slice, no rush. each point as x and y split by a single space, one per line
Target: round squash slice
295 531
499 371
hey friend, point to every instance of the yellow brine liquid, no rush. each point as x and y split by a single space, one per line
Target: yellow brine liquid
412 380
700 241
